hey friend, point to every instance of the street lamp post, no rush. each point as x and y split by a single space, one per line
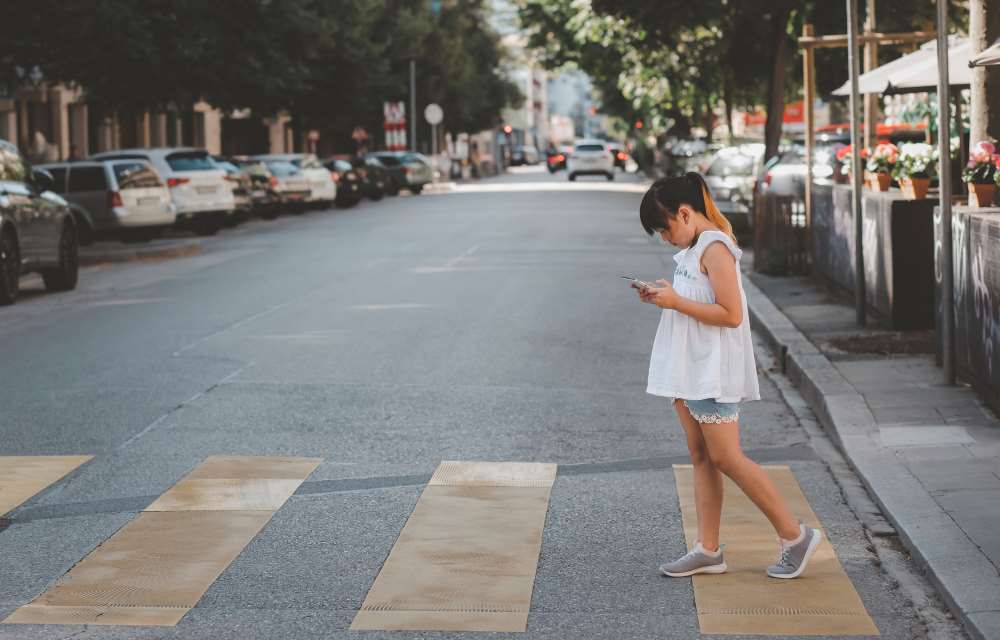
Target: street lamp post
413 105
944 203
860 299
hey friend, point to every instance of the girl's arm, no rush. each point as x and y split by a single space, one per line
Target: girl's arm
726 311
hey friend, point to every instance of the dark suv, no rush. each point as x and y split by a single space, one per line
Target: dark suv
37 231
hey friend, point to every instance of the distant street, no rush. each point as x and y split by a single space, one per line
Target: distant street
485 322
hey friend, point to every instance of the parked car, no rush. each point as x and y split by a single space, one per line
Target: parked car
322 186
730 177
409 170
374 177
349 188
523 154
123 199
590 157
266 200
290 185
37 229
241 183
198 187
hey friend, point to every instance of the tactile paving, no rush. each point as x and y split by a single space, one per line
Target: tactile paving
159 565
23 476
467 556
744 600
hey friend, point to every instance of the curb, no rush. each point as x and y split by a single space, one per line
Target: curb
89 256
963 576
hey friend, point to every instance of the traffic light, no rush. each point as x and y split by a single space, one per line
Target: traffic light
507 129
638 124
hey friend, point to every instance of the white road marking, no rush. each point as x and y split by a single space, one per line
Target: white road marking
387 307
235 325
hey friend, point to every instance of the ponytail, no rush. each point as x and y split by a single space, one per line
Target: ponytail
710 210
667 194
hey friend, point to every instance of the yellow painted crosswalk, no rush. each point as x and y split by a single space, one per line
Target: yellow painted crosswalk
465 560
23 476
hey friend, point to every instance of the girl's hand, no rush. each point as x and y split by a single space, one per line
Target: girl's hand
663 296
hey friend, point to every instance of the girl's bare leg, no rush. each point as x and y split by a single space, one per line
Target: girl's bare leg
707 481
723 443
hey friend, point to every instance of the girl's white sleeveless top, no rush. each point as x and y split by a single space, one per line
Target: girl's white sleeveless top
697 361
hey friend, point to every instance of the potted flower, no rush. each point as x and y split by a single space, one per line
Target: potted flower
980 173
845 156
880 165
915 169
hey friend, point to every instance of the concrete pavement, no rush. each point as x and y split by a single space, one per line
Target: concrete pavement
929 453
384 339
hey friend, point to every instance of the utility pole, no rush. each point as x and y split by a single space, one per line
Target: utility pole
860 294
413 105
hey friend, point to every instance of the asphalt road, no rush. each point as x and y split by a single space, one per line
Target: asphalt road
484 323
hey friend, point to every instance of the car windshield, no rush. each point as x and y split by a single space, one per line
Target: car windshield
229 167
414 157
590 147
389 161
191 161
342 165
731 165
308 162
282 168
135 175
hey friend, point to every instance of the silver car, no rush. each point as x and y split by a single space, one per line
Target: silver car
121 198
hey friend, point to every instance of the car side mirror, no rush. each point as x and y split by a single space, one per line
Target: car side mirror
43 180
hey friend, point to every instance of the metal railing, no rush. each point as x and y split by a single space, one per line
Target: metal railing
781 239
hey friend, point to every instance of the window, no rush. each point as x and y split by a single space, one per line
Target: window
12 166
59 179
282 169
136 175
87 179
191 161
389 161
731 165
342 165
590 147
308 162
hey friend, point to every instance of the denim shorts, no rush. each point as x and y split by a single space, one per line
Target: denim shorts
713 412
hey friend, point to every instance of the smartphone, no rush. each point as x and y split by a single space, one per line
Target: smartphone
639 283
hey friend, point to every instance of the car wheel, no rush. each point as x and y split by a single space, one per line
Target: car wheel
392 189
572 177
417 189
10 267
378 195
64 277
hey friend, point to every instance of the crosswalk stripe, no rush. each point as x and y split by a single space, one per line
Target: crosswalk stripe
744 600
21 477
159 565
467 556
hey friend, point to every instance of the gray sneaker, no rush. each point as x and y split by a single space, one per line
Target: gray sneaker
792 560
694 561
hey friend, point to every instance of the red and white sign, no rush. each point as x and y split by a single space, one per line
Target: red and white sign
395 125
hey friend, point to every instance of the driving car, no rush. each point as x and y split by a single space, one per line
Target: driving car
620 156
37 230
408 170
590 157
523 154
123 199
198 187
322 186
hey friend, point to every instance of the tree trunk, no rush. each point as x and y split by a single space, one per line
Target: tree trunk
727 102
776 85
984 110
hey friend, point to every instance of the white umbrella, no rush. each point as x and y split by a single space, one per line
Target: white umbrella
987 57
916 71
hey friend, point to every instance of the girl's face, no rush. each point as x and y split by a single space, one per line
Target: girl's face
680 230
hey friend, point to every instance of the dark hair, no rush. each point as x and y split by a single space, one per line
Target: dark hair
666 195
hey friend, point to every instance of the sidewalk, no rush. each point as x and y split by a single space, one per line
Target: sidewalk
928 453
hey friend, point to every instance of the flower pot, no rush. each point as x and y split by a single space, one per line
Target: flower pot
879 181
981 195
914 188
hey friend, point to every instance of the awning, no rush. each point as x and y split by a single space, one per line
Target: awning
915 71
987 57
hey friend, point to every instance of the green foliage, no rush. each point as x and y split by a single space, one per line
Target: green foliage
330 62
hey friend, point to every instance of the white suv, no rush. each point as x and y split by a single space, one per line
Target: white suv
591 157
198 187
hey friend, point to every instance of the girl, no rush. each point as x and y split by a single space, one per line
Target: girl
703 359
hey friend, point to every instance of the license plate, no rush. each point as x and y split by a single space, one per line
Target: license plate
149 201
205 190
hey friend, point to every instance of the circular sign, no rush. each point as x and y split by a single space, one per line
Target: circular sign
433 113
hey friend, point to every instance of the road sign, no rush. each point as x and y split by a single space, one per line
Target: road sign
433 113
